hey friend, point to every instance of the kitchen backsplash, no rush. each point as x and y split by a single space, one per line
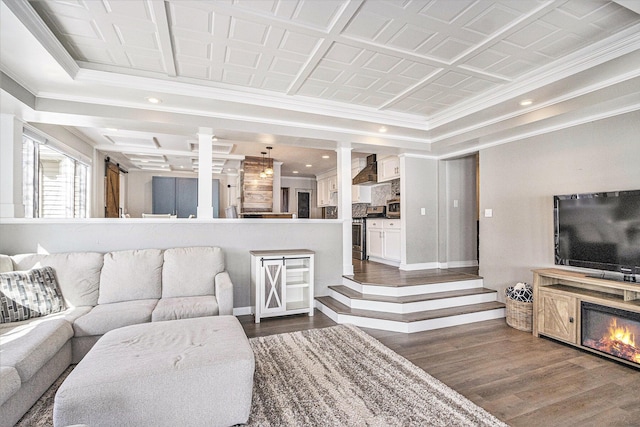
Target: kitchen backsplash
383 192
331 212
359 210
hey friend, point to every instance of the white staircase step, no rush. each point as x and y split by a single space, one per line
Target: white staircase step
410 322
418 289
412 303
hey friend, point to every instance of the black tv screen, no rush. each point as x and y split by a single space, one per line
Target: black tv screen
598 230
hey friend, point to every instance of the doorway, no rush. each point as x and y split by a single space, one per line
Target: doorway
112 191
304 203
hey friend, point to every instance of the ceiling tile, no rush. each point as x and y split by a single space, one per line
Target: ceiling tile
382 62
133 37
285 66
191 48
128 9
450 48
367 25
193 19
196 71
410 37
298 43
492 19
343 53
446 11
242 58
317 13
248 31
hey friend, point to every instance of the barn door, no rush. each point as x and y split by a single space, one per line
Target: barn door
112 191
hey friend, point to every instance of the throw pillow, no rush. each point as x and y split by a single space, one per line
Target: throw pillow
28 294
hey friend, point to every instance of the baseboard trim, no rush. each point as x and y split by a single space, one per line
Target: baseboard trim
458 264
420 266
242 311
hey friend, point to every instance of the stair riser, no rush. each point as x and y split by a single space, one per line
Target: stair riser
412 290
425 325
413 307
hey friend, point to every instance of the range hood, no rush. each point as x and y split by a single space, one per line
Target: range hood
369 174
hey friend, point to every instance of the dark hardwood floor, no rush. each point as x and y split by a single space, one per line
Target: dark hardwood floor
523 380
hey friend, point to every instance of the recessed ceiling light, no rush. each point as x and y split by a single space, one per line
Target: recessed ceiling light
382 129
295 172
154 100
325 156
214 138
308 166
526 102
112 129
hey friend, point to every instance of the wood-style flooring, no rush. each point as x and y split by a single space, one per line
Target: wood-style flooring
373 273
523 380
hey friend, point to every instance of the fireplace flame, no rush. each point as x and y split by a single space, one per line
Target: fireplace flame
621 334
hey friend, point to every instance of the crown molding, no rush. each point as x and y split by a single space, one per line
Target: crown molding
605 50
545 130
36 26
118 77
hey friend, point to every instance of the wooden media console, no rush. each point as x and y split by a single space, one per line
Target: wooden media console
557 301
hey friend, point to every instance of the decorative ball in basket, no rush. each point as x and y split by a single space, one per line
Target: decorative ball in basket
519 302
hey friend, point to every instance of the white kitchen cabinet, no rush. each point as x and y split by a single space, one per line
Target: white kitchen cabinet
388 168
383 239
327 189
359 193
391 244
374 238
282 282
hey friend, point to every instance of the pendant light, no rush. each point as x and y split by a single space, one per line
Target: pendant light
269 169
263 174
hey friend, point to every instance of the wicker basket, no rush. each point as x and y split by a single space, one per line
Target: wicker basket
519 314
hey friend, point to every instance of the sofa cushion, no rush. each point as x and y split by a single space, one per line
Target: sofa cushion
6 264
185 308
131 275
28 294
27 349
106 317
189 272
9 383
78 274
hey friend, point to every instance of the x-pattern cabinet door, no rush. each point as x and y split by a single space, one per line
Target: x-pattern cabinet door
273 296
557 317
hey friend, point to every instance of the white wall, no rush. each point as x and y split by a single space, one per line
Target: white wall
519 179
235 236
302 183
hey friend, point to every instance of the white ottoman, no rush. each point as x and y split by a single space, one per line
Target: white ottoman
190 372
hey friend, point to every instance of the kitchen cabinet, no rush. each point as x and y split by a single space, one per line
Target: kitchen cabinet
327 189
282 282
388 168
383 239
359 193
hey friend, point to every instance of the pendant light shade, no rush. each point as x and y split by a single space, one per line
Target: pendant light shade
263 174
269 169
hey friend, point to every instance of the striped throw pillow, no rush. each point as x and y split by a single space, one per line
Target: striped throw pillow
28 294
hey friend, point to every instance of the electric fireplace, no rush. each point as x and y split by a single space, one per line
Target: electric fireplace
611 331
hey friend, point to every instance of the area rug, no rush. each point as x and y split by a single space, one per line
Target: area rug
336 376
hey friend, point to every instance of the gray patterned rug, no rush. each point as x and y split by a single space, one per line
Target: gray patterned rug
337 376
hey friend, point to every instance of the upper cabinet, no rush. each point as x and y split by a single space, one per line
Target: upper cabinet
388 168
359 193
327 189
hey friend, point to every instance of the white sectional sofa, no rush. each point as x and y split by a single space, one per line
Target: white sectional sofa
102 292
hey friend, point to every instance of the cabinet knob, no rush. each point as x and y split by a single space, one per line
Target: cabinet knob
570 319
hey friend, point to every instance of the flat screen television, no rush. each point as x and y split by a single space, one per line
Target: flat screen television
599 231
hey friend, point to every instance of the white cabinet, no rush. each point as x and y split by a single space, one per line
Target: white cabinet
359 193
327 189
388 168
383 239
282 282
391 244
374 238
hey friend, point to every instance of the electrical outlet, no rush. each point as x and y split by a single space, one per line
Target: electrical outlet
488 213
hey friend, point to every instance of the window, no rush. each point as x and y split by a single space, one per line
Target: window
54 183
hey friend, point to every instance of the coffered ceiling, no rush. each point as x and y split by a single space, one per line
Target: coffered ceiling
439 77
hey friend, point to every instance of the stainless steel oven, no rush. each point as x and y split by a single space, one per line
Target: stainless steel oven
358 233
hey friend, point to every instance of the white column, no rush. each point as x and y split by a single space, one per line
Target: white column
344 204
277 184
11 204
205 175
